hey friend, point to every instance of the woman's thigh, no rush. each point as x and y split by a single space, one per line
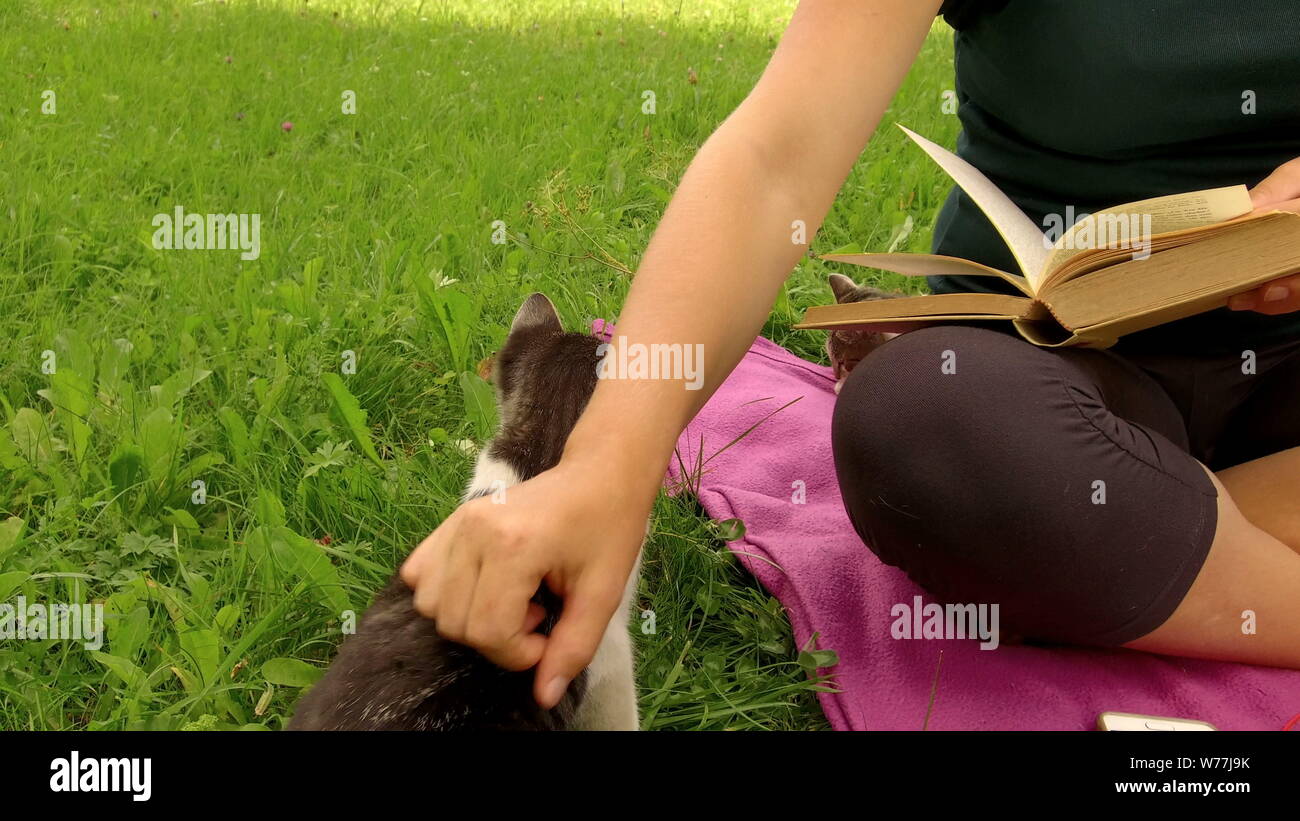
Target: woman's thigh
1244 605
1267 492
1056 485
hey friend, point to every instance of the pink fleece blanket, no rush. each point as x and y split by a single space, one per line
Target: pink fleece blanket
809 557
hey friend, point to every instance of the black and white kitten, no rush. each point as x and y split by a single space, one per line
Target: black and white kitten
847 348
396 672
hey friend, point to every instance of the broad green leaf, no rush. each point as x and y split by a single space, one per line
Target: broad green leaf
126 467
32 437
11 533
127 632
291 672
203 647
188 680
11 581
200 590
455 315
268 509
811 660
480 404
307 560
170 599
198 468
180 518
114 361
9 458
126 598
176 386
236 434
130 675
269 399
70 393
160 437
227 617
74 352
354 418
728 530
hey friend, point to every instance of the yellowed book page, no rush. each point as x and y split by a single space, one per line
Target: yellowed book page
1086 262
1050 334
902 325
927 265
1131 226
1182 281
1018 231
872 312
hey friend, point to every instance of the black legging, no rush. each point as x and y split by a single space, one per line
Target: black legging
1062 485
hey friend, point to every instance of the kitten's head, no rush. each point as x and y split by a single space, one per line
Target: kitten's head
846 290
543 377
847 348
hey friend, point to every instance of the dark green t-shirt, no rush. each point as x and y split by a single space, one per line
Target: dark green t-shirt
1092 103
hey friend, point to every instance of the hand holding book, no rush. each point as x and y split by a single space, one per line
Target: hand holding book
1121 270
1280 191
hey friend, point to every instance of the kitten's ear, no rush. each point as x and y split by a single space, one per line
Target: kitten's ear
537 313
842 286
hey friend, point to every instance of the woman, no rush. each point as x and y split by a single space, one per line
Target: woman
1145 496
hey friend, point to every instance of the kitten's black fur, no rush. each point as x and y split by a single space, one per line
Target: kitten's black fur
396 672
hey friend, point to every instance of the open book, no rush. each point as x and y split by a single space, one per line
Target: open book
1121 270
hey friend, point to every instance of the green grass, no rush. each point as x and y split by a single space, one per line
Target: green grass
181 366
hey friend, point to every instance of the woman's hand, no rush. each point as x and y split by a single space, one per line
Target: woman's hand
476 574
1280 191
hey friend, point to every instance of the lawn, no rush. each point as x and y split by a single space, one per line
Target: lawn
229 454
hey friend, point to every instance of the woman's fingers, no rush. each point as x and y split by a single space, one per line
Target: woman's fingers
573 642
455 580
477 594
536 615
498 624
1279 188
1279 191
412 570
1283 205
1280 296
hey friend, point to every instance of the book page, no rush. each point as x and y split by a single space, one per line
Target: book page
1021 235
1181 281
872 312
928 265
1085 262
1132 225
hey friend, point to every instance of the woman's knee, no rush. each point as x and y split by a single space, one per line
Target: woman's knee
923 439
934 402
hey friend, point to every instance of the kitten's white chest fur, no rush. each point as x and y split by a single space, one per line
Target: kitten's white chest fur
610 702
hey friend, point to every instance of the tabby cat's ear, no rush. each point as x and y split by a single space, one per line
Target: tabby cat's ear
537 313
842 286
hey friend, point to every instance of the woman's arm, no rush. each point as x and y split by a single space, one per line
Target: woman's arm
710 277
723 249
